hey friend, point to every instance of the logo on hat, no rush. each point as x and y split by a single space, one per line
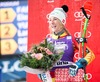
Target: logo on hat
63 21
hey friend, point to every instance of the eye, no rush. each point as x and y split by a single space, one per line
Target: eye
49 20
55 18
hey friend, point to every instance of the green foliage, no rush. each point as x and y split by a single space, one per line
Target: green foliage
46 62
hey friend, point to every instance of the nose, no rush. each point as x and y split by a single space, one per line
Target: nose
51 21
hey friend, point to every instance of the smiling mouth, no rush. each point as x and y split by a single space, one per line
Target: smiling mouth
53 26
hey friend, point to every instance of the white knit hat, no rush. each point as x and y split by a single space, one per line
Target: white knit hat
60 13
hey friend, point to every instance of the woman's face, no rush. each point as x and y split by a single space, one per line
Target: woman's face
55 24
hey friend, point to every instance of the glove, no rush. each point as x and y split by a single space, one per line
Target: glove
73 69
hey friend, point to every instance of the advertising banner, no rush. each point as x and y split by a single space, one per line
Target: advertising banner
11 69
13 38
38 28
0 74
13 27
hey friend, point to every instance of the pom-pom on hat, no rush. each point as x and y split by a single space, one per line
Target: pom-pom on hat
60 13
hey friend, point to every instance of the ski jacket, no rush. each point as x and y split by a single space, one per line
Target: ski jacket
70 45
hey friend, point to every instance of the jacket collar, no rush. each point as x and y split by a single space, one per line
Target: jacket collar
55 36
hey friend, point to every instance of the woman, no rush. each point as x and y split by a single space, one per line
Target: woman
62 40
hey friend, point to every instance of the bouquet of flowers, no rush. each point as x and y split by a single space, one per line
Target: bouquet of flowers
40 58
